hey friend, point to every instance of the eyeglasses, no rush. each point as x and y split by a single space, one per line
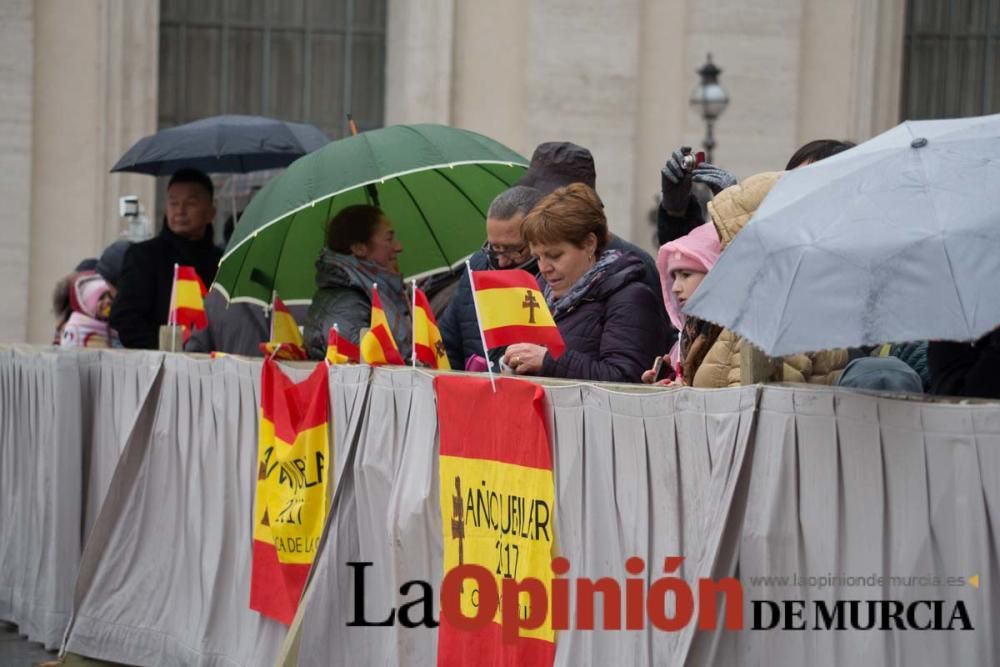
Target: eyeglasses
508 253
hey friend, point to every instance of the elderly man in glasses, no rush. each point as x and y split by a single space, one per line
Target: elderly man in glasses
504 249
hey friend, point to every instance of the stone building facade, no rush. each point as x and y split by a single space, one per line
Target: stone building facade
79 84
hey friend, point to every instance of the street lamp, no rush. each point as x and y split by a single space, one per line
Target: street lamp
709 99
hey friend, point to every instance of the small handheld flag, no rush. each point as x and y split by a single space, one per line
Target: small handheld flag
378 347
428 347
339 350
286 339
512 310
187 300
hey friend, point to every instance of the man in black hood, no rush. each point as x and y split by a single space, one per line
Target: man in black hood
146 279
553 165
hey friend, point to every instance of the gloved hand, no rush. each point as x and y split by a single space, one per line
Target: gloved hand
716 178
676 183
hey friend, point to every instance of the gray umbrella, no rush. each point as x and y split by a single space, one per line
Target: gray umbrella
895 240
223 144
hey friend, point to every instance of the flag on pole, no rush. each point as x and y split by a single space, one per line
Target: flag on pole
339 350
494 444
428 347
378 347
187 300
513 310
293 458
286 339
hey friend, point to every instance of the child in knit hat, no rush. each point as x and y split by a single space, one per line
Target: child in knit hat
90 298
682 265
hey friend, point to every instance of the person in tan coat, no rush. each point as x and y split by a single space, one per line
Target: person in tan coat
714 359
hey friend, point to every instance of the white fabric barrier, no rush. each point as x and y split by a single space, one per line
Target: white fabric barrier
750 482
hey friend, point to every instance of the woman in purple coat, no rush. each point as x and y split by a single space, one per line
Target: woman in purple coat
608 318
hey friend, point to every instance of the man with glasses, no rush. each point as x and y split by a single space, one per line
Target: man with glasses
504 249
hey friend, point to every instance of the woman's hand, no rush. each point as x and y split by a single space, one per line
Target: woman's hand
649 376
525 358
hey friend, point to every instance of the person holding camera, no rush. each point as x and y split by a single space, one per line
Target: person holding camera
687 186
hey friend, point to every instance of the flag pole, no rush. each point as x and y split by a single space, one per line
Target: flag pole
479 323
413 316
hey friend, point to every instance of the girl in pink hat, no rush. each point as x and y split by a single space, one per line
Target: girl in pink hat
90 299
682 264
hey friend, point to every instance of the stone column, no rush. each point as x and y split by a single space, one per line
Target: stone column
95 83
16 91
418 63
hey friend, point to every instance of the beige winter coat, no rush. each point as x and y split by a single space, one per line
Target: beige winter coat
731 209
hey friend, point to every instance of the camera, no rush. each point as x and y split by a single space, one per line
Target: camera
692 160
128 206
138 228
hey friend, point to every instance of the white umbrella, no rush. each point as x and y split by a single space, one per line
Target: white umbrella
895 240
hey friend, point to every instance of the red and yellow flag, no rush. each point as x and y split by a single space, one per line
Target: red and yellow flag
497 510
339 350
187 300
292 471
286 339
378 347
513 310
428 348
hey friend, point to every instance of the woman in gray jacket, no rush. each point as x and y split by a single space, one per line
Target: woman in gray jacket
361 249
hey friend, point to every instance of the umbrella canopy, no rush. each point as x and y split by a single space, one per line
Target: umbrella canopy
895 240
222 144
435 183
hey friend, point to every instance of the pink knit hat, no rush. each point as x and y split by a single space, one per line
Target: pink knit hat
697 252
85 297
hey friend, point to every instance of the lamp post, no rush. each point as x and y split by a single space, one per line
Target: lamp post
709 99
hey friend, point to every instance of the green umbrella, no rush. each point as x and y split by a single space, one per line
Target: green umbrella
435 183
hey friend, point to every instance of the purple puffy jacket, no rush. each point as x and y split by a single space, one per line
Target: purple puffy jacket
615 331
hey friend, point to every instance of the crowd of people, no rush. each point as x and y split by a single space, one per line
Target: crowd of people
619 310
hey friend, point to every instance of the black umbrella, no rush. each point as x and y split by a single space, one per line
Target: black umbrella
223 144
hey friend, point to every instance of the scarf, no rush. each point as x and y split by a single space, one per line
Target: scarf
334 269
582 287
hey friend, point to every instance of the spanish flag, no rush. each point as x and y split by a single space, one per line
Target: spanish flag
187 300
428 347
293 462
340 350
497 512
512 310
286 339
378 347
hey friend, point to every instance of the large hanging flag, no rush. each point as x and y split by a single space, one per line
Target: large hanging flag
187 300
292 472
512 309
339 350
428 347
286 339
497 512
378 347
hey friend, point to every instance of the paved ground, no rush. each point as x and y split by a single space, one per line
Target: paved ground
16 651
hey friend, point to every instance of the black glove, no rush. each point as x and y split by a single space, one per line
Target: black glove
675 183
715 178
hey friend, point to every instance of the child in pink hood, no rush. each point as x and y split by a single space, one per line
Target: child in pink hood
90 298
682 264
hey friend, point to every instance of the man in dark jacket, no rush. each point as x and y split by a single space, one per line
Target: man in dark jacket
961 369
146 280
553 165
504 249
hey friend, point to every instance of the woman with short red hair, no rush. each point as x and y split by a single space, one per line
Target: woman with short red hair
608 318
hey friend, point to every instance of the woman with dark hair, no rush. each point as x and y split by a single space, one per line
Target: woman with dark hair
608 317
361 249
